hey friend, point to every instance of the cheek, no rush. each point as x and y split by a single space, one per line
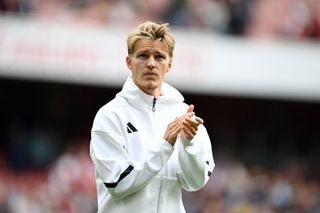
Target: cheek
165 68
137 67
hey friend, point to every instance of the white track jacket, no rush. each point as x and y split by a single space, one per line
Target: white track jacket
136 169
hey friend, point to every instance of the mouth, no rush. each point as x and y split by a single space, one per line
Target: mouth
151 74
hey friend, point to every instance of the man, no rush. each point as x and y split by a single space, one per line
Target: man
147 144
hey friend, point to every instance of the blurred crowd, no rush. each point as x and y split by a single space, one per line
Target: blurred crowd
68 186
294 19
239 188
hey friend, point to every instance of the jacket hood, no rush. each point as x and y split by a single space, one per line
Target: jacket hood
133 94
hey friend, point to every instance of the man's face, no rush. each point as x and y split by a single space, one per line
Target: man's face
149 63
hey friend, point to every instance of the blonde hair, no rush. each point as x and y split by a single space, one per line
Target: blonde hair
151 30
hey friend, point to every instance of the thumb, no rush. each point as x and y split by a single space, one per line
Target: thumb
190 109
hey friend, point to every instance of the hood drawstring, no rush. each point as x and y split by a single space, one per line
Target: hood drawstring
154 104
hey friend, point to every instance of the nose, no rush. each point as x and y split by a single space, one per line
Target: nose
151 63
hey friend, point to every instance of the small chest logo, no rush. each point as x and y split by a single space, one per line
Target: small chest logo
131 128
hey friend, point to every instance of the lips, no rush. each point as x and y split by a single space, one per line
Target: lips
151 74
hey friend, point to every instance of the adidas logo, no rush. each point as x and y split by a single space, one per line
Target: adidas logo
131 128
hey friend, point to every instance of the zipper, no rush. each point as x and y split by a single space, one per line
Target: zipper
154 104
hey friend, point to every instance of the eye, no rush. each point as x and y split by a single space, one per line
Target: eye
160 57
142 55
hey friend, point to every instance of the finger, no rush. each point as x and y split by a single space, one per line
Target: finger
176 126
191 123
190 115
190 126
199 120
190 109
189 130
189 133
176 121
177 129
172 132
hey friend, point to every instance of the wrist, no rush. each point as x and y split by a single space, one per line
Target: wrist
186 141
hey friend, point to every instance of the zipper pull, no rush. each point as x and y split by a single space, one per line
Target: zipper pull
154 104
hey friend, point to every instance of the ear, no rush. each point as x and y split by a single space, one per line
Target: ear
129 62
170 64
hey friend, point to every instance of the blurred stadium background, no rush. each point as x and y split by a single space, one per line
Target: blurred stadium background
250 67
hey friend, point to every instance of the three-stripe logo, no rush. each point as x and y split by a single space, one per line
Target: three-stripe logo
131 128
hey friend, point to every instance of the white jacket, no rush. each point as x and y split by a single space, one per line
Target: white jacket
136 169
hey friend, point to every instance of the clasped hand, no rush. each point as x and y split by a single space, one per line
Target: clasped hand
186 126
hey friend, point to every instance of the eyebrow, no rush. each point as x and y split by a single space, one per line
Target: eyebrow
147 51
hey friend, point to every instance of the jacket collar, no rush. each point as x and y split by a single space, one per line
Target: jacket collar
133 94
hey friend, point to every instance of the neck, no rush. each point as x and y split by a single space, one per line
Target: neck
153 92
150 90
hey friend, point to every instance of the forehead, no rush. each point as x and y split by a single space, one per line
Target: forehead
144 44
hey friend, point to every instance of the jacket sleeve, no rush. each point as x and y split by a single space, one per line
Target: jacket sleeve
196 161
122 175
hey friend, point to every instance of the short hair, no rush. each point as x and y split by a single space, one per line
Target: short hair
151 30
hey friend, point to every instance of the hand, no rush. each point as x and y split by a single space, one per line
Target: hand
190 124
173 130
186 126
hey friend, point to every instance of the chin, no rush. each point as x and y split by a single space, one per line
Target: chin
151 82
149 86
